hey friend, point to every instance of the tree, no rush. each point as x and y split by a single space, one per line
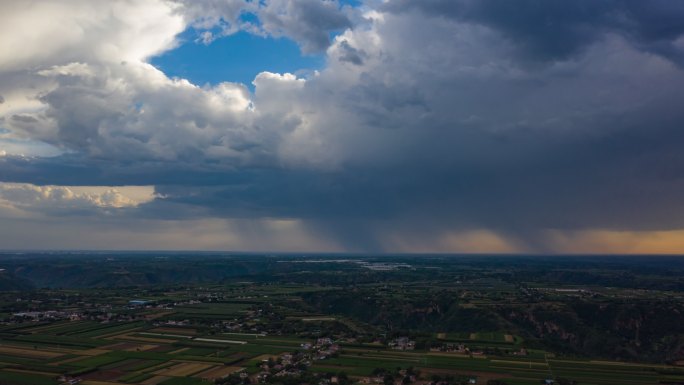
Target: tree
388 380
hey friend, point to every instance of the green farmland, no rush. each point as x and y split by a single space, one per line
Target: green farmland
329 321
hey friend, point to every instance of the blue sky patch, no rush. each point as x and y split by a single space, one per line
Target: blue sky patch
235 58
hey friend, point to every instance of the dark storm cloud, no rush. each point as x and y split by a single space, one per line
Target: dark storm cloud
422 122
76 170
629 179
558 29
619 171
599 183
309 22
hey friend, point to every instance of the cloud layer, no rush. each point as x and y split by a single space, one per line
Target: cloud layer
443 122
69 199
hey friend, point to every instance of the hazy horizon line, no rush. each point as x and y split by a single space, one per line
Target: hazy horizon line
324 253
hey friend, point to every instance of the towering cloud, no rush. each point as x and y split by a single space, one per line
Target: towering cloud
447 123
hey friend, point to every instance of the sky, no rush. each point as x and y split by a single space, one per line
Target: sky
372 126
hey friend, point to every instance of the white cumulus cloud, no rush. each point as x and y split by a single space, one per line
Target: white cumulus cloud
53 198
